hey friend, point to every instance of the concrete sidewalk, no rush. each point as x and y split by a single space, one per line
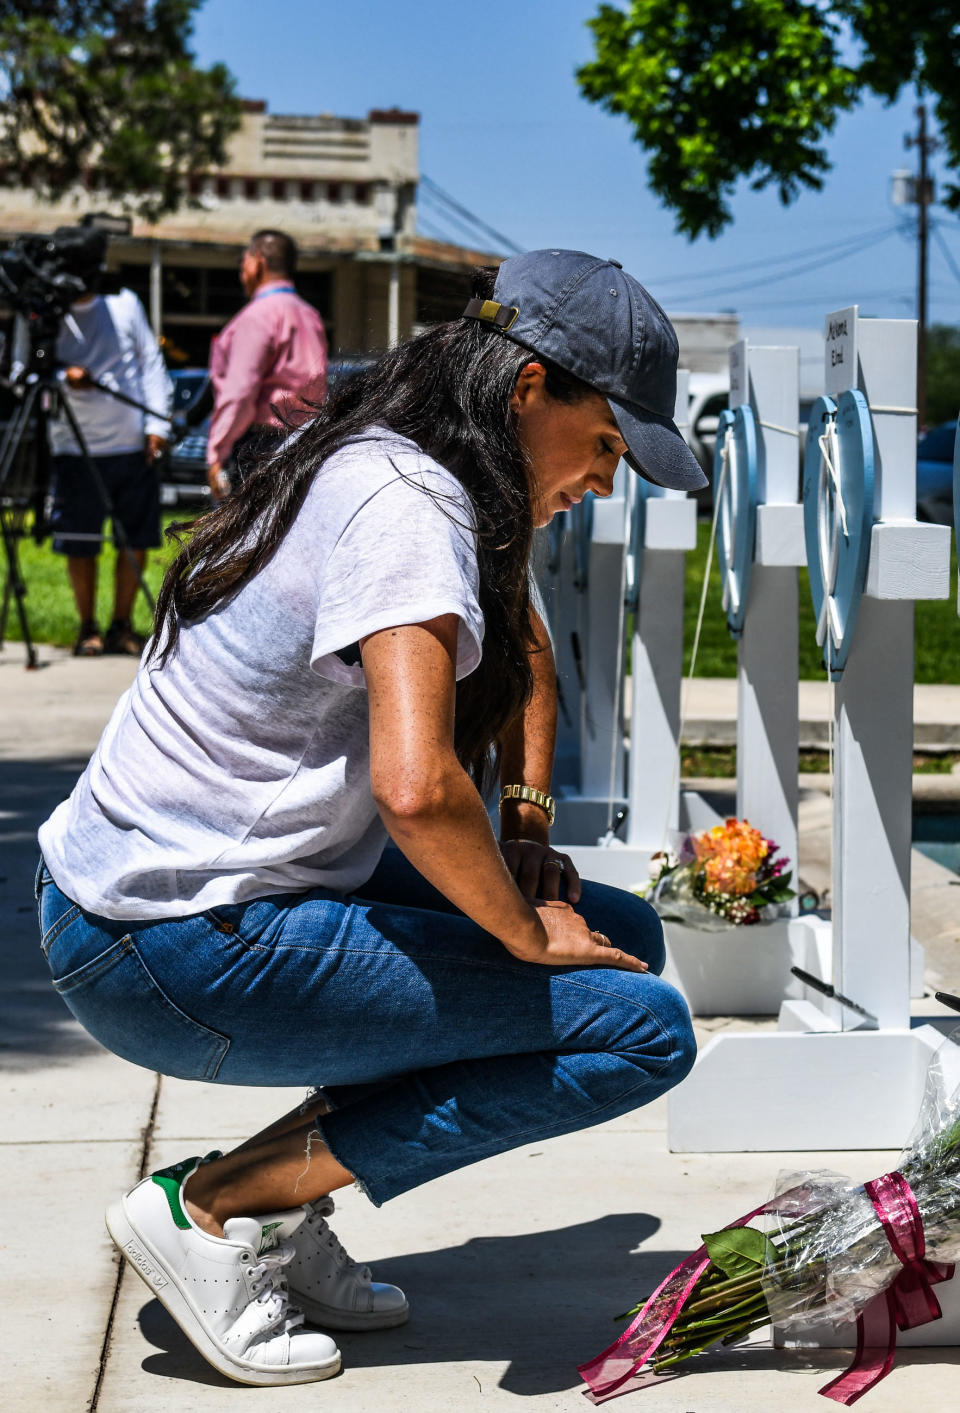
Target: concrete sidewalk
710 707
514 1267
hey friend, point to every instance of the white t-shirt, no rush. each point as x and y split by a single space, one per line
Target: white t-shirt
110 337
242 767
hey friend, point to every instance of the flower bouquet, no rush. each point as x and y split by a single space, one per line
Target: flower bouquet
727 876
719 884
829 1251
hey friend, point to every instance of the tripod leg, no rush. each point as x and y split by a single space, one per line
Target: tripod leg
119 531
14 584
5 608
9 532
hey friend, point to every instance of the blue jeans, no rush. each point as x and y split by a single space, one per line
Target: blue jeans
433 1045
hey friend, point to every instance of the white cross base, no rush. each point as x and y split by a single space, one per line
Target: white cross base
803 1088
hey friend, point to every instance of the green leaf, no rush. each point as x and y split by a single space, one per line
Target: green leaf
741 89
110 93
739 1251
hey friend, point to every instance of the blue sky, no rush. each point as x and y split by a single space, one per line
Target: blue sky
504 131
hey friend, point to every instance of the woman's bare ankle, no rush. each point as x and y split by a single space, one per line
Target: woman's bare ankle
200 1201
272 1175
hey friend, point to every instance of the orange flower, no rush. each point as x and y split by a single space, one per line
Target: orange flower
730 855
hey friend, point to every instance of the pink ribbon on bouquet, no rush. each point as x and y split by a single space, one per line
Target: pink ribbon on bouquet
908 1302
608 1374
905 1304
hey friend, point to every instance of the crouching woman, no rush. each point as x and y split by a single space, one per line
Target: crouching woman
341 653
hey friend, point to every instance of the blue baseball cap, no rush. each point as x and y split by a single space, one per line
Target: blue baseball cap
599 323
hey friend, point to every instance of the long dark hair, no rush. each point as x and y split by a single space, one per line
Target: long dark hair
448 390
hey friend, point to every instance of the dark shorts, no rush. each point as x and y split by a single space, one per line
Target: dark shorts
78 510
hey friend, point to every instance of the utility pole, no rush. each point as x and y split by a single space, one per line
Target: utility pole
923 197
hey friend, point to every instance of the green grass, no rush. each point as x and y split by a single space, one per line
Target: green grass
720 762
53 619
51 615
937 635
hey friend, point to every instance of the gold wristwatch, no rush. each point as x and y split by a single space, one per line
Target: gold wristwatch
529 796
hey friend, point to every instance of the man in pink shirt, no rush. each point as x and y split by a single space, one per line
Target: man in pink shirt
272 354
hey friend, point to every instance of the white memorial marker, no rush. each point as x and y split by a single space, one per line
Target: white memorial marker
669 529
765 382
824 1080
956 501
653 528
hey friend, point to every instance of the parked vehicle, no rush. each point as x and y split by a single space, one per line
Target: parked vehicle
183 473
709 396
935 474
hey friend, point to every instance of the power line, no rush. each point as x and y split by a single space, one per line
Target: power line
464 228
823 303
436 190
852 249
476 231
767 261
947 226
945 249
428 228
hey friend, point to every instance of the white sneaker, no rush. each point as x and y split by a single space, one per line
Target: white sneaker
228 1294
330 1288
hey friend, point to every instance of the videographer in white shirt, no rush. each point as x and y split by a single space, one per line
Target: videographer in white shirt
104 339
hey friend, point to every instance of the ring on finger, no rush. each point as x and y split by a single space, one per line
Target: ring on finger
602 939
553 863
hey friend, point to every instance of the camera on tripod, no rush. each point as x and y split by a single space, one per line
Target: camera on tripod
41 276
44 278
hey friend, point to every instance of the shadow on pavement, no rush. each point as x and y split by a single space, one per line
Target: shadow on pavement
540 1301
543 1302
35 1026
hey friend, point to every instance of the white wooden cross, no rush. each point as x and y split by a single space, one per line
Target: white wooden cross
823 1081
768 380
653 783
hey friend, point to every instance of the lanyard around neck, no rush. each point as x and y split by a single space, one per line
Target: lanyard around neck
277 289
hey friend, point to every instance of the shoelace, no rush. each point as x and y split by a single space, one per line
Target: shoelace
270 1286
317 1213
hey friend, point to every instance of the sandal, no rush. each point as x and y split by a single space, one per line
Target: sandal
121 641
89 642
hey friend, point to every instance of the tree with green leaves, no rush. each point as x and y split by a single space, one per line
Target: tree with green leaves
943 373
109 95
729 89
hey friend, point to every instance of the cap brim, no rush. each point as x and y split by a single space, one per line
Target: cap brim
656 449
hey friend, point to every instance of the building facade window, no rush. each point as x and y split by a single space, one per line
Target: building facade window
223 186
278 190
306 191
250 188
333 191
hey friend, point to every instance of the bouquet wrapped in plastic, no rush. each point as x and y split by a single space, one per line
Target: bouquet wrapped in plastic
723 877
825 1250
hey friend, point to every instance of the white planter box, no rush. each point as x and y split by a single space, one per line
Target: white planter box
744 971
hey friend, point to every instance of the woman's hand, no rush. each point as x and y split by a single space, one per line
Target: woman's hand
539 870
570 943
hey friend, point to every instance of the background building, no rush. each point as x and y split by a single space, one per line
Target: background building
344 188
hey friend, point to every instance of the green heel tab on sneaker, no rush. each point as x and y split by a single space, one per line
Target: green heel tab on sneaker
171 1180
268 1239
